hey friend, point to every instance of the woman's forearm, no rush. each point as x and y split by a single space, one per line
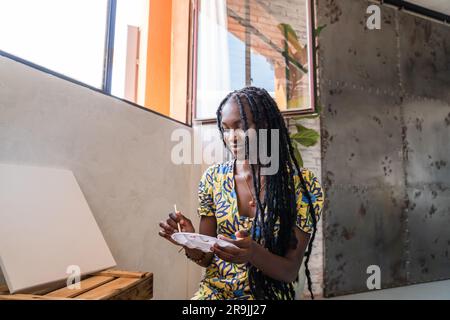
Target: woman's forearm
272 265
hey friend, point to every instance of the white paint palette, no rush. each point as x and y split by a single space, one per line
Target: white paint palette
199 241
46 228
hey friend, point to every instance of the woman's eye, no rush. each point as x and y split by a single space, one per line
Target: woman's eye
228 130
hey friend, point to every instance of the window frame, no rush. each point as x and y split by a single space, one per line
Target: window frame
109 45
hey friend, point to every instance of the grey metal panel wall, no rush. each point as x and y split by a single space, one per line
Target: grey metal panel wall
371 108
425 76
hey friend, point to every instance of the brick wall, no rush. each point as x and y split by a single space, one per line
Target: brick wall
312 160
258 25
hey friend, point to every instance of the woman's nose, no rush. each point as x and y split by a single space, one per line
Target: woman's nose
232 138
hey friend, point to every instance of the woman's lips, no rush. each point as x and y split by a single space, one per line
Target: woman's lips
237 149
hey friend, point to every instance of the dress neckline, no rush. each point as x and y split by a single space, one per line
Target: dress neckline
233 189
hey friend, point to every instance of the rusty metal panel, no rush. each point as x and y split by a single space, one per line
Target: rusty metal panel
425 73
385 147
428 186
364 222
361 135
427 124
350 53
429 226
425 57
369 231
362 167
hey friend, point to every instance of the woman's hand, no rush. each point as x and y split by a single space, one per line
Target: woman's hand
242 254
170 226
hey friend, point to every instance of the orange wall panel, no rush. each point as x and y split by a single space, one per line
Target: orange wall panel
157 95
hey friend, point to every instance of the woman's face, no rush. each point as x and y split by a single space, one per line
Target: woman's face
234 134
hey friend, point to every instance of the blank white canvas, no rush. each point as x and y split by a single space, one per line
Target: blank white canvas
45 227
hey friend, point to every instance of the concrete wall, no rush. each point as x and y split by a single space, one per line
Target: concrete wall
120 155
385 151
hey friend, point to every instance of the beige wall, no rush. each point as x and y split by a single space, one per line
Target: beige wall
120 156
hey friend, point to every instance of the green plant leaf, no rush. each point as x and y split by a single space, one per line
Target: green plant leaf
319 29
295 62
297 155
291 35
319 108
305 136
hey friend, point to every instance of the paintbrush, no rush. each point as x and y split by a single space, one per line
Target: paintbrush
178 224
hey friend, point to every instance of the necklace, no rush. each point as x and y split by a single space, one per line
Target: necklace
252 203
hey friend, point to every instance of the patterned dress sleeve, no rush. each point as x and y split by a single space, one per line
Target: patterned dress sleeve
304 216
206 205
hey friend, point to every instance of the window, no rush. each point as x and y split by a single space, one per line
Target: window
253 42
130 38
176 57
150 60
65 36
135 50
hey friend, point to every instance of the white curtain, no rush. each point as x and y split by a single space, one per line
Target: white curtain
213 66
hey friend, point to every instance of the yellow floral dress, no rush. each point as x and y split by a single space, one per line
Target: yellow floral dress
217 197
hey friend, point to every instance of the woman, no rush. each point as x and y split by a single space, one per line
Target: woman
270 218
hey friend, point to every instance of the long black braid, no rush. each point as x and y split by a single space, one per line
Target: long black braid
280 191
